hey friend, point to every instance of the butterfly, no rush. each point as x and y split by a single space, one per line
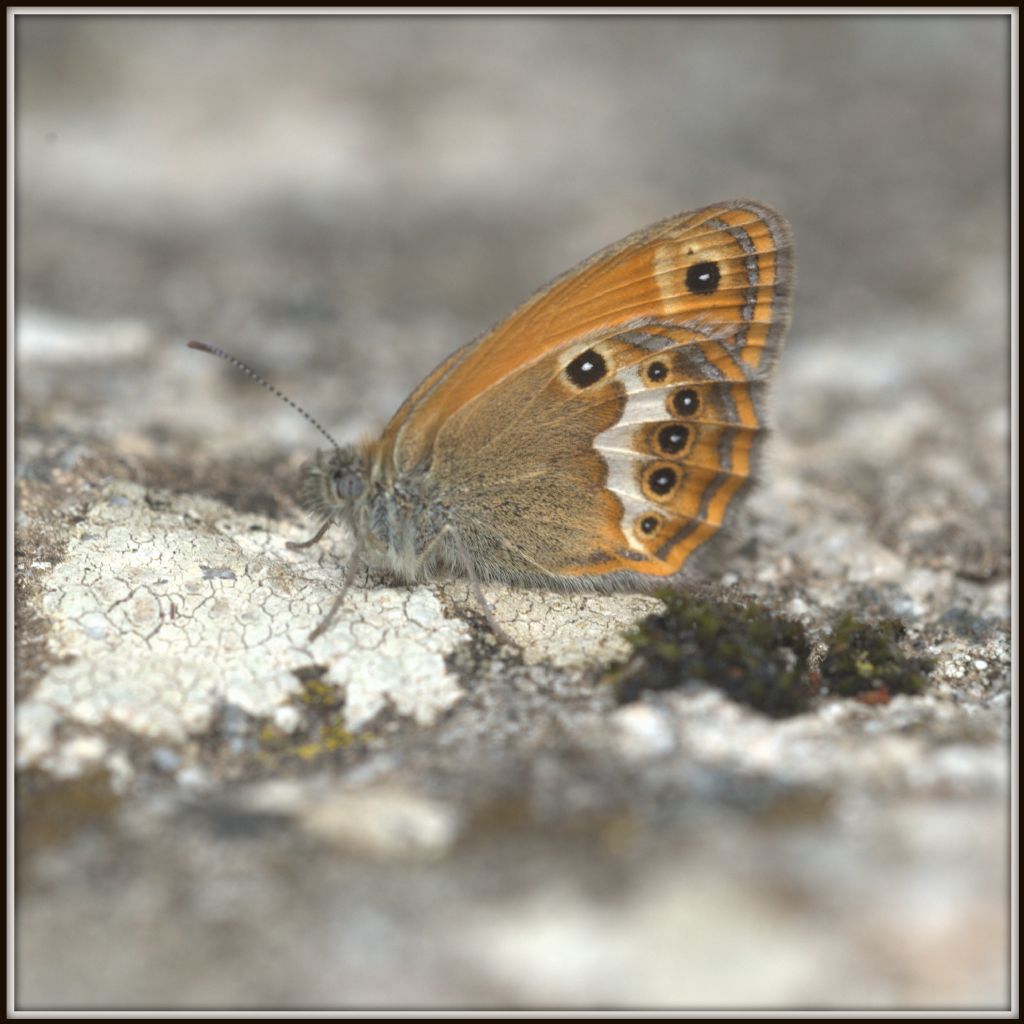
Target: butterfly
597 437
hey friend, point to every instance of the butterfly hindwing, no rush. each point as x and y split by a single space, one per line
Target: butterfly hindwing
685 445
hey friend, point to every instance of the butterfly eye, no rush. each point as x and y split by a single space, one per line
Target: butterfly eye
586 369
703 278
347 484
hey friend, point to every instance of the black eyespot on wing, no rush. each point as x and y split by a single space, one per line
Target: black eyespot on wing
703 278
686 402
657 371
586 369
662 480
648 524
673 438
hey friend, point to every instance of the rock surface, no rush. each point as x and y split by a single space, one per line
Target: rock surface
215 812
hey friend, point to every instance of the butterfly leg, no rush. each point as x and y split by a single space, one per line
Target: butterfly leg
478 594
299 545
355 563
467 564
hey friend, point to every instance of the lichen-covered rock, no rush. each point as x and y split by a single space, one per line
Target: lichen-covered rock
810 808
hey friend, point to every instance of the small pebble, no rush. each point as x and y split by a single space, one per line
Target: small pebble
165 759
287 718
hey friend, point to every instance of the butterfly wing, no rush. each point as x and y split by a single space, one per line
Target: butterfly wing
607 426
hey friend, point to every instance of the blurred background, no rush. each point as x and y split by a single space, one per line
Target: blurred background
346 199
341 201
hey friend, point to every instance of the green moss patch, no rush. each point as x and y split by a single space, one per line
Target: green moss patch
756 657
323 716
317 692
865 661
762 659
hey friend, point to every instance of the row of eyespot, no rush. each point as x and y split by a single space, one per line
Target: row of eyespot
661 481
672 439
590 366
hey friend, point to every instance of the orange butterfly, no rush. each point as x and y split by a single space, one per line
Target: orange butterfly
598 436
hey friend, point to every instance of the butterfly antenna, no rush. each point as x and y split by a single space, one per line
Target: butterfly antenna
227 357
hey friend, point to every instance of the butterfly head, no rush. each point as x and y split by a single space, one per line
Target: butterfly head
334 483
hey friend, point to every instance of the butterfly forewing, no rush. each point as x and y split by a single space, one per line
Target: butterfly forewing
608 425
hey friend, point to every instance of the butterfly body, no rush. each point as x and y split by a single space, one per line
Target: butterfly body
596 438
